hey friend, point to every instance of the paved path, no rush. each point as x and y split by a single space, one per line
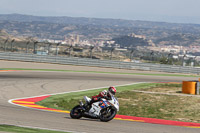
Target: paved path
28 83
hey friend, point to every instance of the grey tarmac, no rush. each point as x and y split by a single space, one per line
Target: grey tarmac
21 84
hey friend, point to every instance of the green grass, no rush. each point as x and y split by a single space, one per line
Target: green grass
178 108
132 103
16 129
147 74
160 106
69 100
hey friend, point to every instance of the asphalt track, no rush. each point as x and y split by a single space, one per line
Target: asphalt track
19 84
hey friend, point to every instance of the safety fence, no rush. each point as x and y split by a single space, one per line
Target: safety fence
97 63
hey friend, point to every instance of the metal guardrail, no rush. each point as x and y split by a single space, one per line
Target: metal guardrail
98 63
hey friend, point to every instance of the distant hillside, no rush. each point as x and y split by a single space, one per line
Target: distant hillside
4 36
95 21
179 39
93 28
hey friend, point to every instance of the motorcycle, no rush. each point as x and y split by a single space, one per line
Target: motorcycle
105 110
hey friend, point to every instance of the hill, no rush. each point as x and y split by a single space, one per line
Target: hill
96 21
4 36
179 39
94 28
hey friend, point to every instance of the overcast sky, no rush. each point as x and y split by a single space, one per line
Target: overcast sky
183 11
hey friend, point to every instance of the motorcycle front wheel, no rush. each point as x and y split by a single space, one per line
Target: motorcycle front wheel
107 114
76 112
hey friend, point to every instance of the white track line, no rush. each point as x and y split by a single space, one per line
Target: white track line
10 101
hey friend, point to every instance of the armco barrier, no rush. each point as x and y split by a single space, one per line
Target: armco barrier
98 63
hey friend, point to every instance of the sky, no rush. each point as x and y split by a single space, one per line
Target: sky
178 11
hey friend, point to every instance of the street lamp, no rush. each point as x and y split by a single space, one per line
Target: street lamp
12 45
152 54
49 46
111 51
70 47
35 47
195 61
5 45
27 46
183 60
91 48
169 57
57 48
131 55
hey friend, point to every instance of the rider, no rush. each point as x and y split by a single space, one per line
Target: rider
104 94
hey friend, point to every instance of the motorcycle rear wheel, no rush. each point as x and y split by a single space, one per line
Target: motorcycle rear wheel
107 114
76 112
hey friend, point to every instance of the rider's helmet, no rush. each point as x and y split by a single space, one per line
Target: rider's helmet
112 90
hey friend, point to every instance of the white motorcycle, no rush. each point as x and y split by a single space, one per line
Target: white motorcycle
105 110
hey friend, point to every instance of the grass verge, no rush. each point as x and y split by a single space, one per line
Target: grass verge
69 100
152 105
16 129
147 74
